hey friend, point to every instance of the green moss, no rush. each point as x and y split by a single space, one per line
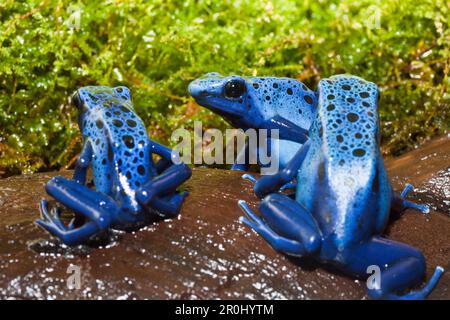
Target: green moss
157 47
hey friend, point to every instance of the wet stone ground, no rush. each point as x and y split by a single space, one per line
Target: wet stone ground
206 252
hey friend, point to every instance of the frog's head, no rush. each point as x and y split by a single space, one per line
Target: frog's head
247 101
91 98
226 96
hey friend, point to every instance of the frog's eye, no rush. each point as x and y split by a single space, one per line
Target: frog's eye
234 89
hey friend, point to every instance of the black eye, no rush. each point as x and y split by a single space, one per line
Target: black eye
234 89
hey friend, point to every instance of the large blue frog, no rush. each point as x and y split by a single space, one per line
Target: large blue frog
343 196
130 188
260 103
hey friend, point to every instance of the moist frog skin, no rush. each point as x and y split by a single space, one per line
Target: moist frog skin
343 196
260 103
129 187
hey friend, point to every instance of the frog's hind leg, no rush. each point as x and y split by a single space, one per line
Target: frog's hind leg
169 206
287 226
155 193
401 267
97 207
400 203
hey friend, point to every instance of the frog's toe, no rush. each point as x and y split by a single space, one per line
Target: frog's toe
408 188
249 223
290 185
249 213
249 177
50 227
239 167
52 216
421 207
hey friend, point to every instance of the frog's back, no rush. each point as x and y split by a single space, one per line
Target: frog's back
284 97
120 144
342 180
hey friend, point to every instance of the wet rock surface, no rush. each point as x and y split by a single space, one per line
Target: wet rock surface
206 252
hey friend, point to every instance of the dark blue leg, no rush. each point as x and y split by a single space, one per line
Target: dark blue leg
169 206
166 153
162 165
273 183
251 178
402 267
82 164
164 184
97 207
400 203
287 226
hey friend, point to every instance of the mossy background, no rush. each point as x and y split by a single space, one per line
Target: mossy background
49 48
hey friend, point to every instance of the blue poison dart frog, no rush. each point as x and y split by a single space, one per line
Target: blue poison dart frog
129 187
260 103
343 196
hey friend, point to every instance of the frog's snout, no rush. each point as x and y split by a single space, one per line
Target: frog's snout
197 90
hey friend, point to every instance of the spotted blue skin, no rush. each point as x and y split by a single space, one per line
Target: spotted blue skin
266 103
343 196
130 189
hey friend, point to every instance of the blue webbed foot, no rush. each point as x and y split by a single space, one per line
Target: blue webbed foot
290 185
401 267
239 167
52 223
409 204
422 293
160 192
98 208
249 177
169 206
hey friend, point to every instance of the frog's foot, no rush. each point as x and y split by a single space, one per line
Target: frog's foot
409 204
52 218
153 192
422 293
249 177
169 206
98 208
298 233
290 185
51 222
400 267
239 167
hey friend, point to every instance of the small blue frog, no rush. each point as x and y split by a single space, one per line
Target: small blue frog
130 189
343 196
260 103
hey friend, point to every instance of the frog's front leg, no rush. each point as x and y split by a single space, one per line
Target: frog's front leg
82 163
399 203
402 267
160 192
98 208
275 182
168 156
297 232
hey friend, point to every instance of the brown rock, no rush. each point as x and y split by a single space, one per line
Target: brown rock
206 252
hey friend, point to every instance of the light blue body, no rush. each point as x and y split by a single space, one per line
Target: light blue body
260 103
343 196
130 189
